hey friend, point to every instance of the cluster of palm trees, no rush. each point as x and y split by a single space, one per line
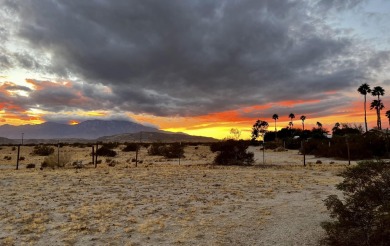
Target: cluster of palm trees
376 104
291 124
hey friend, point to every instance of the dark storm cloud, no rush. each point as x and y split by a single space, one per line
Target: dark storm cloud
189 57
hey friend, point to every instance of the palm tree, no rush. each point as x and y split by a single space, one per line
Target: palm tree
378 106
275 117
364 89
303 118
291 116
378 91
388 115
319 125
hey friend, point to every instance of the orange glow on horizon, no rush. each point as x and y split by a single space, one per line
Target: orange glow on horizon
73 122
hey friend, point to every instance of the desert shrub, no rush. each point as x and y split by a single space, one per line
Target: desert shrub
22 158
53 160
232 152
30 165
104 151
13 148
110 145
363 216
79 145
8 158
43 150
156 149
131 147
174 150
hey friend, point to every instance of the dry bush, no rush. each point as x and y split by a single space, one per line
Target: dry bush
53 160
43 150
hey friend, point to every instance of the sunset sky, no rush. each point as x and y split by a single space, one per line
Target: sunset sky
196 66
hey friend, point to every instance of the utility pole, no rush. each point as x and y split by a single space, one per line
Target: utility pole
58 153
17 159
349 155
303 152
96 154
137 149
22 137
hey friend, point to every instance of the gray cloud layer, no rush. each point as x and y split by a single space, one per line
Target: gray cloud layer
192 57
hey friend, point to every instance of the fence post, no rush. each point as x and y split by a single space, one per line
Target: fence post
303 152
58 153
96 154
93 154
349 155
17 159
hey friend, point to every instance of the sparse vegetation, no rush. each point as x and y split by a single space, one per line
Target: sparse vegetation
174 150
131 147
43 150
53 161
156 149
104 151
363 216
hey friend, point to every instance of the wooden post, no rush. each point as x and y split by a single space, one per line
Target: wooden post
96 154
136 156
17 159
179 154
263 151
349 155
137 149
93 154
303 152
58 153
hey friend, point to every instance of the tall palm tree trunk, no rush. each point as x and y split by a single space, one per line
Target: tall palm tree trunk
365 113
276 133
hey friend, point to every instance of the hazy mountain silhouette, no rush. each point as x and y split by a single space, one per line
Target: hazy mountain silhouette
90 129
149 137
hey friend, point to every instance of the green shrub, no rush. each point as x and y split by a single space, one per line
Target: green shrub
43 150
104 151
363 216
232 152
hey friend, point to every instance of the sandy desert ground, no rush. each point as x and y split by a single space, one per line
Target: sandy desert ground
163 203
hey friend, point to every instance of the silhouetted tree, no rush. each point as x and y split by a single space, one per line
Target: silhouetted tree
336 127
378 91
303 118
259 129
275 117
291 116
388 115
378 106
364 89
319 125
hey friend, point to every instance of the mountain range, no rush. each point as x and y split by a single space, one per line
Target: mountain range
91 130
